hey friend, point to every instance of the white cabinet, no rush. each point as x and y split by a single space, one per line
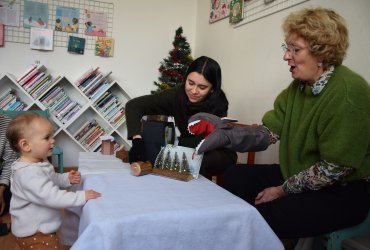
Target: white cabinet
72 109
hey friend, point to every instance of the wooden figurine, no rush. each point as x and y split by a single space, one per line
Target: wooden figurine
107 145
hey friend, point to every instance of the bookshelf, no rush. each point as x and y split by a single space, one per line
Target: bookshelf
82 110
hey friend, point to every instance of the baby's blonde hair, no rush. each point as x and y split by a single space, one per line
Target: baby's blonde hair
18 126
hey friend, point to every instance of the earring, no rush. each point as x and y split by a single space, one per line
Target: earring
319 64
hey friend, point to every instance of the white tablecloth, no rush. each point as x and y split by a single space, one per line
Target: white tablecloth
154 212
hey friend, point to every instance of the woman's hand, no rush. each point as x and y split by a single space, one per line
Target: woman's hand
269 194
137 151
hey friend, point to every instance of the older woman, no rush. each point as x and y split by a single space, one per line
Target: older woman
322 120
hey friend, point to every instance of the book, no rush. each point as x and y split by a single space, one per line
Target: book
236 11
86 75
76 45
88 133
54 92
8 101
33 81
99 91
5 95
90 91
43 83
47 87
96 23
41 39
27 72
104 46
82 128
95 82
39 84
67 19
30 75
100 98
1 34
71 114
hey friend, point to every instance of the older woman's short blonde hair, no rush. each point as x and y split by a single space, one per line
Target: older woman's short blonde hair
324 30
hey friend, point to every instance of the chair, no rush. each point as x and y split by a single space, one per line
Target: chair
217 177
56 150
334 239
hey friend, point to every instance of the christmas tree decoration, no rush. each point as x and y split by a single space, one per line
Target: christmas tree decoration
159 160
176 163
184 168
173 68
167 161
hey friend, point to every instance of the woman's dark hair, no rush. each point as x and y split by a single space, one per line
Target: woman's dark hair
216 102
209 68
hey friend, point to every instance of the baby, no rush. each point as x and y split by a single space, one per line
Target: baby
37 194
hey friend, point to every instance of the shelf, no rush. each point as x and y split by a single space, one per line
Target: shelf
61 96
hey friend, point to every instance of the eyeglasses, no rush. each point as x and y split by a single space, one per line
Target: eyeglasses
290 48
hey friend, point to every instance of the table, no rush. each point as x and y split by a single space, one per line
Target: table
155 212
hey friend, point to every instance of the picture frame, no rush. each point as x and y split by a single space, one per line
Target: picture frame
219 9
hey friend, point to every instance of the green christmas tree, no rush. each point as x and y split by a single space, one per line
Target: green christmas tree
173 68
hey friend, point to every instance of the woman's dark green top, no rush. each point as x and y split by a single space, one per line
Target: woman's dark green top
172 102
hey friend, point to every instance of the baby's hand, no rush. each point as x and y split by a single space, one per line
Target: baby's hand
91 194
74 177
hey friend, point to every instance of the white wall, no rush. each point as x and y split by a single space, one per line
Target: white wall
251 57
143 32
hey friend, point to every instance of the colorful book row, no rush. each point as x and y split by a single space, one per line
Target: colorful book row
60 104
9 101
36 81
89 134
92 83
111 108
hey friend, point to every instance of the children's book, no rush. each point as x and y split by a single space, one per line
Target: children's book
76 45
35 14
67 19
236 11
95 23
26 73
1 35
104 47
41 39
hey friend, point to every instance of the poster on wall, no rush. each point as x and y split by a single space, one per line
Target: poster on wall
10 12
35 14
67 19
219 10
95 23
104 46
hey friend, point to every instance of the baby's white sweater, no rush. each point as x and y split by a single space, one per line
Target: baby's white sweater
37 198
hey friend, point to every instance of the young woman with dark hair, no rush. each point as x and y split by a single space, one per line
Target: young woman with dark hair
201 92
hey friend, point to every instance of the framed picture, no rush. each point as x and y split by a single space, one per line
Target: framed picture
219 9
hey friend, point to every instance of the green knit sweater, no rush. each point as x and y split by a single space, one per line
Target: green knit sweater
333 125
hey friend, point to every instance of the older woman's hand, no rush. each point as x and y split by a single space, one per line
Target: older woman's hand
269 194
